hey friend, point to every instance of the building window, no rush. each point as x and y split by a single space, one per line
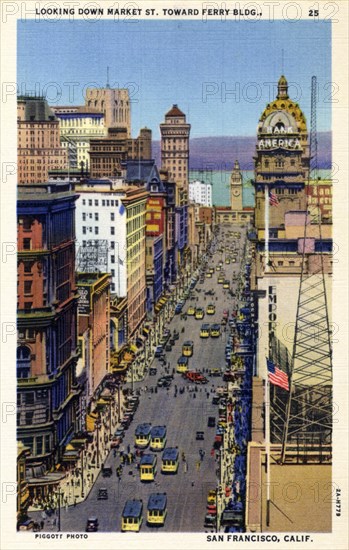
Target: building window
90 202
29 415
280 264
103 202
83 217
27 267
27 224
96 230
112 216
27 244
83 202
27 287
96 202
112 230
291 263
84 230
28 306
23 362
112 259
112 245
96 216
113 272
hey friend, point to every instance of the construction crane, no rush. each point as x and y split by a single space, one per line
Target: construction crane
308 421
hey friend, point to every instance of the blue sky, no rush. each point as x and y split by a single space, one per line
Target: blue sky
191 63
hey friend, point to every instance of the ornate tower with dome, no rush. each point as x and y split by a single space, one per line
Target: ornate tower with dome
281 161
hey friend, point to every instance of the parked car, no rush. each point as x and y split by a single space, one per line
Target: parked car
106 472
200 436
159 351
211 422
102 494
92 525
153 371
168 347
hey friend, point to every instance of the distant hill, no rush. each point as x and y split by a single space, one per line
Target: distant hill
220 153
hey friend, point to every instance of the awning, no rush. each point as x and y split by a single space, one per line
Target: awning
71 456
90 422
146 330
133 348
101 403
122 367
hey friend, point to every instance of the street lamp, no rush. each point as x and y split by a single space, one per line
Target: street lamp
82 471
59 495
98 425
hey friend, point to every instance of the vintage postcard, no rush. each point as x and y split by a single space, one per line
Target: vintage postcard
174 223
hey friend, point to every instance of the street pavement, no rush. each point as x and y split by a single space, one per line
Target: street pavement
183 415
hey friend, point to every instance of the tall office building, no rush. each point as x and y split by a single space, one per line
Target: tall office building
175 133
114 103
282 159
39 148
47 352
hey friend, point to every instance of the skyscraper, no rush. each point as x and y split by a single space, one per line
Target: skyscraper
39 148
282 159
114 103
175 150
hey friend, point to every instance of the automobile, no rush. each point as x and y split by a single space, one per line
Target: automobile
222 424
175 335
215 372
215 331
27 525
221 279
178 309
211 270
92 525
211 496
227 261
218 268
209 292
211 422
119 432
172 341
107 471
226 284
115 441
233 260
164 382
153 371
210 520
199 313
159 351
228 376
125 422
200 436
168 347
209 275
191 310
133 401
210 310
102 494
212 509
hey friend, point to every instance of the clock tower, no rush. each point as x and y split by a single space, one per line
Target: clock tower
236 188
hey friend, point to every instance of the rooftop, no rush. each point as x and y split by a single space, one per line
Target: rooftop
175 111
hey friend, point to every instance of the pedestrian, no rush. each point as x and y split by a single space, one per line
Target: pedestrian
74 502
42 524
